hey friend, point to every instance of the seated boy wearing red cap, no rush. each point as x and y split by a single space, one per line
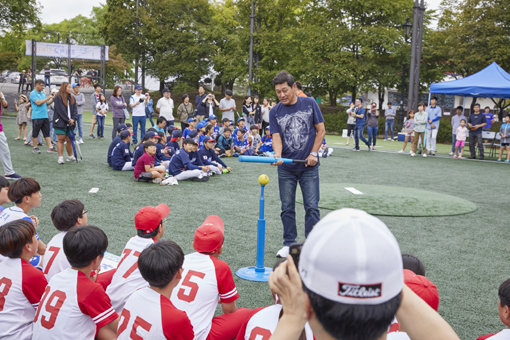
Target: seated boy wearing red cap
148 313
350 285
504 313
127 278
205 280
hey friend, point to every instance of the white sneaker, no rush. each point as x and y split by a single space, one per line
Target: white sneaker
330 151
401 151
71 159
283 253
156 181
425 155
80 141
451 153
413 154
169 181
60 160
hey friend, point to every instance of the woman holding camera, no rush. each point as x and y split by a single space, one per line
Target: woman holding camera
210 103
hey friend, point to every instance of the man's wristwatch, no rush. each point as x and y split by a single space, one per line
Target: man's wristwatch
314 154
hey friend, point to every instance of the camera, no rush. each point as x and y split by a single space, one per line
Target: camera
141 100
295 252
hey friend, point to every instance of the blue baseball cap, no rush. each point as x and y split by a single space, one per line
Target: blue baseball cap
212 117
193 134
176 133
239 119
202 124
124 134
121 127
268 128
151 134
191 120
75 84
138 87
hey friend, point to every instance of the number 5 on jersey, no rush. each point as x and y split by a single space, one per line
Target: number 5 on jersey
190 293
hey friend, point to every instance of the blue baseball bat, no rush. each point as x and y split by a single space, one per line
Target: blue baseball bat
257 159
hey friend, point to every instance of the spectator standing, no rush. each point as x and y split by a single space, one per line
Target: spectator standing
64 121
101 111
476 122
351 121
28 80
228 106
420 123
248 111
505 139
390 115
359 114
257 109
408 130
184 111
165 107
455 124
80 102
47 76
210 104
200 109
434 115
5 154
265 114
298 130
40 119
94 99
149 109
461 134
138 102
489 117
22 116
51 112
22 80
118 105
372 125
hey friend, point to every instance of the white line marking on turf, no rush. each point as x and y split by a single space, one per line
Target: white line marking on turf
353 190
93 191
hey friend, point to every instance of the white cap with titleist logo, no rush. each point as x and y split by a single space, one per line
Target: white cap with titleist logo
351 257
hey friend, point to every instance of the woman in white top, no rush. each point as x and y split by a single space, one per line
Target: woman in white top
265 113
101 110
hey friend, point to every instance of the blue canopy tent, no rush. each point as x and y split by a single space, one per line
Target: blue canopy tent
491 82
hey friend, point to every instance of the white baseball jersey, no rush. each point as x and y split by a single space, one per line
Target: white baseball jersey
150 315
21 288
72 307
12 214
127 278
503 335
205 280
394 332
55 259
263 323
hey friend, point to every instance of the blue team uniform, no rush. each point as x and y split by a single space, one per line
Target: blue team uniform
160 153
216 131
120 155
186 132
267 144
180 162
139 151
114 142
207 157
243 145
201 141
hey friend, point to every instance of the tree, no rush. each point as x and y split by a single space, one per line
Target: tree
16 15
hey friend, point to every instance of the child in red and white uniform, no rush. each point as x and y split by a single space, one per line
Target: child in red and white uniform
127 278
504 313
26 194
263 322
73 305
64 216
205 280
148 313
21 284
4 192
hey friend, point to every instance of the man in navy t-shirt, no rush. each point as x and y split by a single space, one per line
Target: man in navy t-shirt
298 129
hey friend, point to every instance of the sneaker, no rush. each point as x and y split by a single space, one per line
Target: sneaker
499 160
51 150
200 179
330 151
507 161
157 180
225 171
451 153
92 135
283 253
60 160
460 157
36 150
413 154
13 176
454 156
80 141
481 158
70 159
401 151
425 155
433 153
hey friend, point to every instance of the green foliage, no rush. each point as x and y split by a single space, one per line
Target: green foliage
16 15
8 60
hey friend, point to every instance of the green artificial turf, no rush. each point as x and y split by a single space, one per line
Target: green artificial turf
384 200
466 256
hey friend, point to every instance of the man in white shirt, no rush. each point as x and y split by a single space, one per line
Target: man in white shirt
228 105
138 102
165 107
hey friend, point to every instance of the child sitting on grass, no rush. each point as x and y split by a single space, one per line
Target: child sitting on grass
324 151
4 192
266 144
241 145
504 313
254 139
160 124
181 167
144 168
122 157
225 144
191 126
461 134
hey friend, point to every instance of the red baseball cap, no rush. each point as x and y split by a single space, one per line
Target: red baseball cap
422 286
148 218
210 235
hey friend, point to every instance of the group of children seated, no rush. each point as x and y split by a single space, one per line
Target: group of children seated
56 291
167 155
